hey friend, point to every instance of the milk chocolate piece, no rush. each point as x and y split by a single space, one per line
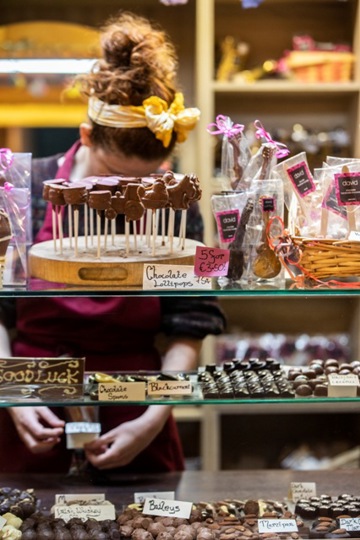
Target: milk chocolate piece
107 184
99 200
48 183
76 194
154 197
134 208
55 195
184 192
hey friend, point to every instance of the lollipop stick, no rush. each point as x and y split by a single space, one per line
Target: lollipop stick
113 231
86 224
134 234
351 219
70 224
154 231
76 230
127 236
142 224
106 224
171 228
183 228
98 231
163 226
92 226
60 228
53 217
148 226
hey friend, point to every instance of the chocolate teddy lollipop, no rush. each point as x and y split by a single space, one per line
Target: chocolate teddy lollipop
99 201
153 198
5 237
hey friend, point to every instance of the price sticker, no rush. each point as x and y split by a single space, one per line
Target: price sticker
350 524
167 508
175 277
343 385
277 525
302 490
212 262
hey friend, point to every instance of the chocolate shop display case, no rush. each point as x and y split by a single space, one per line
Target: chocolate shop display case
335 308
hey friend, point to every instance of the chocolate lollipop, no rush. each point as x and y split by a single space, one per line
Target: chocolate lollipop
5 237
266 265
75 196
154 198
181 195
99 201
45 193
111 184
57 199
236 259
134 210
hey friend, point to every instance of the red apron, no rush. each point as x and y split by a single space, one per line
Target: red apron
113 334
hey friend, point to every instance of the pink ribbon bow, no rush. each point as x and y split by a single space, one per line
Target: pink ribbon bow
224 126
6 158
282 150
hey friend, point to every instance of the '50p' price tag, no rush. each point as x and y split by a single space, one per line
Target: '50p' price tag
211 261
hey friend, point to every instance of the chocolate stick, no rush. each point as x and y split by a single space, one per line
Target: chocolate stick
236 260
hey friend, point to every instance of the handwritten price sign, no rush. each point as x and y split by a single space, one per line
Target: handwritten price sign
211 262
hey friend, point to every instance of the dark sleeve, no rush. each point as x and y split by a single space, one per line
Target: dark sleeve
8 312
42 169
193 317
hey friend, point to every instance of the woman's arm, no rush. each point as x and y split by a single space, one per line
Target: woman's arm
121 445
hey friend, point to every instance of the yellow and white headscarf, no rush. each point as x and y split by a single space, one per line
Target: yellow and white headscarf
154 113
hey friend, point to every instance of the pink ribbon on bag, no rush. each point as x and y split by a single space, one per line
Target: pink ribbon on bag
224 126
6 158
282 150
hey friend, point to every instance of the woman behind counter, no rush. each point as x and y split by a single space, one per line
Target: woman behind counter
137 68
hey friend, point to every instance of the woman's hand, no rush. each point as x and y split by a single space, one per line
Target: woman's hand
122 444
38 427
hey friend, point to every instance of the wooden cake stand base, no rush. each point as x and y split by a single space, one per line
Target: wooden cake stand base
113 267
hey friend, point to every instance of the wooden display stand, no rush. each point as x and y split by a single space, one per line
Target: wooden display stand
113 268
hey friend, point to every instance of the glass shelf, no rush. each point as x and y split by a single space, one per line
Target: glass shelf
40 288
310 404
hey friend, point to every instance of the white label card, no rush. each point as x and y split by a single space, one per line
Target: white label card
81 498
167 508
343 385
302 490
122 391
277 525
175 277
141 496
84 512
350 524
3 522
165 388
354 236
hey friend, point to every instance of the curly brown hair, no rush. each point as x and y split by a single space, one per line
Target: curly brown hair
138 61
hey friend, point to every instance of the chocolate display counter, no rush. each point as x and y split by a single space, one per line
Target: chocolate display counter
219 492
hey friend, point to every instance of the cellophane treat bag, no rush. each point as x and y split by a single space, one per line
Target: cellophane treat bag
15 216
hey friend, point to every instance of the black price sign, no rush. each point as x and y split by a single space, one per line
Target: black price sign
227 224
302 179
348 188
